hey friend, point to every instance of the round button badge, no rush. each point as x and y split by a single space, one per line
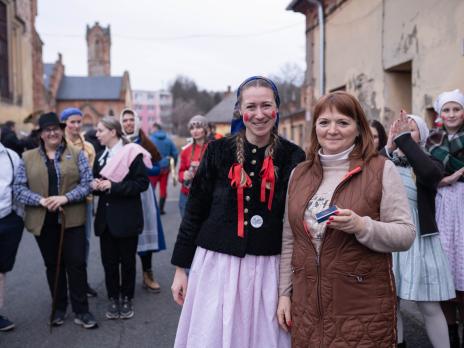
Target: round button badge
256 221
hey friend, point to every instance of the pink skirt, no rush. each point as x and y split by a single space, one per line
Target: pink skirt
231 302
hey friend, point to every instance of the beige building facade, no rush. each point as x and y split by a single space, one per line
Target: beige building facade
391 54
19 46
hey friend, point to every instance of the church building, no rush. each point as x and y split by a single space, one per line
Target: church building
98 94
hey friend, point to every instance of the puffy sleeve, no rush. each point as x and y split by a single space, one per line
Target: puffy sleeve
285 277
395 231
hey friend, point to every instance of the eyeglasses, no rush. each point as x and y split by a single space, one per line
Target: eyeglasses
52 130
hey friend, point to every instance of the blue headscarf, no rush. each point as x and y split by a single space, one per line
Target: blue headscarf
237 122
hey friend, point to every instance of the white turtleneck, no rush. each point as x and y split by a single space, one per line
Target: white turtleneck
394 232
334 167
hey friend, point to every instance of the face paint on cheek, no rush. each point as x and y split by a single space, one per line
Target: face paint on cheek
274 114
246 116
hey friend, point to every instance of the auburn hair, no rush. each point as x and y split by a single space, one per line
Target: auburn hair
347 105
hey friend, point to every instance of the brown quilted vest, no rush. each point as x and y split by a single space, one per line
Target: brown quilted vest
345 297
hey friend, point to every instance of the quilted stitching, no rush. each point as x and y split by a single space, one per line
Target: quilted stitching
375 327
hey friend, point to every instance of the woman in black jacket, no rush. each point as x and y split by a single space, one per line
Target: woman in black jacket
119 218
230 236
422 273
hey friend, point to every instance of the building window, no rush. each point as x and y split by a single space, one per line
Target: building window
4 71
111 112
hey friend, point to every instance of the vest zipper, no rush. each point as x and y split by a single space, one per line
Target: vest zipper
345 179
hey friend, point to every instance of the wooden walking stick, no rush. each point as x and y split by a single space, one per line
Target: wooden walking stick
58 267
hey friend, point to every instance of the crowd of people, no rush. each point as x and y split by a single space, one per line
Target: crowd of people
51 190
276 247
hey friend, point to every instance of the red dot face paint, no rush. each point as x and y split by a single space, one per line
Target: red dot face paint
246 116
273 114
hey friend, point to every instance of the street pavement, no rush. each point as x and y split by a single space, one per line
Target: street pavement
27 303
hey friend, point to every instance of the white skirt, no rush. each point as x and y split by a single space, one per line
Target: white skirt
231 302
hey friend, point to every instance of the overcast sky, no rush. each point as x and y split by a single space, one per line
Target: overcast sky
215 42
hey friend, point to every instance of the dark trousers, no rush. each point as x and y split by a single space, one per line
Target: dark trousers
118 258
72 269
11 231
145 258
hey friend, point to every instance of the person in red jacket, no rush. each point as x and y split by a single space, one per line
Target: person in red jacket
191 155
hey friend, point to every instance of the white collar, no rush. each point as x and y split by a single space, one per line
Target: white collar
110 152
338 156
115 149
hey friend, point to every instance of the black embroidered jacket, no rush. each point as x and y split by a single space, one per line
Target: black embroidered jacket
210 219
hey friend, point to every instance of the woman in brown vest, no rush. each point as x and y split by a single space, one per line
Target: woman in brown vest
336 284
56 177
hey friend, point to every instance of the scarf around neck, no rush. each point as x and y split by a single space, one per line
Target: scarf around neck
449 151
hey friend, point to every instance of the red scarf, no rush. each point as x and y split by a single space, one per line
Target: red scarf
235 174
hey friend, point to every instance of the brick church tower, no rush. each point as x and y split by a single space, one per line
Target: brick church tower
98 50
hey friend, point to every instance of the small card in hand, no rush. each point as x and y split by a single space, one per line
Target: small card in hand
325 214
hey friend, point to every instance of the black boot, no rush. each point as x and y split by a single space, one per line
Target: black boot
161 205
402 344
453 335
462 343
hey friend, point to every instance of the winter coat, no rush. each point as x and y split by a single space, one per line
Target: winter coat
166 148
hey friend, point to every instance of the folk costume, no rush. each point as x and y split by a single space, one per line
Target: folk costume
422 273
152 237
119 218
449 149
230 239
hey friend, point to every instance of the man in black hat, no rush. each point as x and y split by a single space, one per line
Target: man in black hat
53 182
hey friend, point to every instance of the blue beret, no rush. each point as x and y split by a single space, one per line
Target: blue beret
68 112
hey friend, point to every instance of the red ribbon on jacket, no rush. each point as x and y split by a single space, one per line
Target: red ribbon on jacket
267 176
235 175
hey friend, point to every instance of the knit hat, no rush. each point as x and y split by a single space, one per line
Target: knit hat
137 121
198 120
68 112
423 128
446 97
237 122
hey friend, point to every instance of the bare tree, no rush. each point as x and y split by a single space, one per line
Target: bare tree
182 111
289 81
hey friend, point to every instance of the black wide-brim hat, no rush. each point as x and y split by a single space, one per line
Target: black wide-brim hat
49 119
